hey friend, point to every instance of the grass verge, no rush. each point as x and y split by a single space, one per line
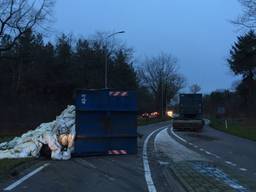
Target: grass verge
12 167
243 128
5 138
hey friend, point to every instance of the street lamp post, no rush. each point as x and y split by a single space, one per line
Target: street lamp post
106 57
162 106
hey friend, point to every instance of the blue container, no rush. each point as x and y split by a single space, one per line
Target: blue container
106 122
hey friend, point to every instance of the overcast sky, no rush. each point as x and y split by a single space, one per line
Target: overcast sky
197 32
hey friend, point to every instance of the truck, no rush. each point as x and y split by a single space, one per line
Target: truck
190 113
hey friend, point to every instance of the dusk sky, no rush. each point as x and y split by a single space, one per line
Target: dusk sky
198 33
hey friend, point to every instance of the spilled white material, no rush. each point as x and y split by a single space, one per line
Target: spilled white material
164 143
59 135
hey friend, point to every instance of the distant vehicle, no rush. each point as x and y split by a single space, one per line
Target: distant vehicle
154 115
170 114
175 115
145 115
150 115
190 113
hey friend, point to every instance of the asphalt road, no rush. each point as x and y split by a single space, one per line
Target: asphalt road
130 172
238 153
101 173
235 154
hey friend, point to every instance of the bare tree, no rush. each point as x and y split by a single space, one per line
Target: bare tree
248 18
160 75
195 88
19 16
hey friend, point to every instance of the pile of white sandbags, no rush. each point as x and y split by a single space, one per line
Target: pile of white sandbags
59 135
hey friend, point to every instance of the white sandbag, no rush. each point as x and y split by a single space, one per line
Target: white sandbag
66 155
57 154
30 143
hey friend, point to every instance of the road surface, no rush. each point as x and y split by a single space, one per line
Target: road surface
166 161
236 154
102 173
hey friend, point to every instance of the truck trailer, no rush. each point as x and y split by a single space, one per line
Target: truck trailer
190 113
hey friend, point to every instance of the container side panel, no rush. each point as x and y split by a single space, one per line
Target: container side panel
105 121
128 144
92 123
124 123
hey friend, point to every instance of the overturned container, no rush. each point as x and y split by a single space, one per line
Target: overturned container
106 122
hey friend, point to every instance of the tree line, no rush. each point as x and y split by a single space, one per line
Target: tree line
39 78
241 101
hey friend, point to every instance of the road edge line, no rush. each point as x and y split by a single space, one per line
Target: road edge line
147 171
21 180
177 136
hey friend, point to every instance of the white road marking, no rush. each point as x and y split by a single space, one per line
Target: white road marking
85 163
220 175
15 184
163 163
218 157
195 146
147 172
207 152
180 138
109 177
230 163
243 169
90 164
